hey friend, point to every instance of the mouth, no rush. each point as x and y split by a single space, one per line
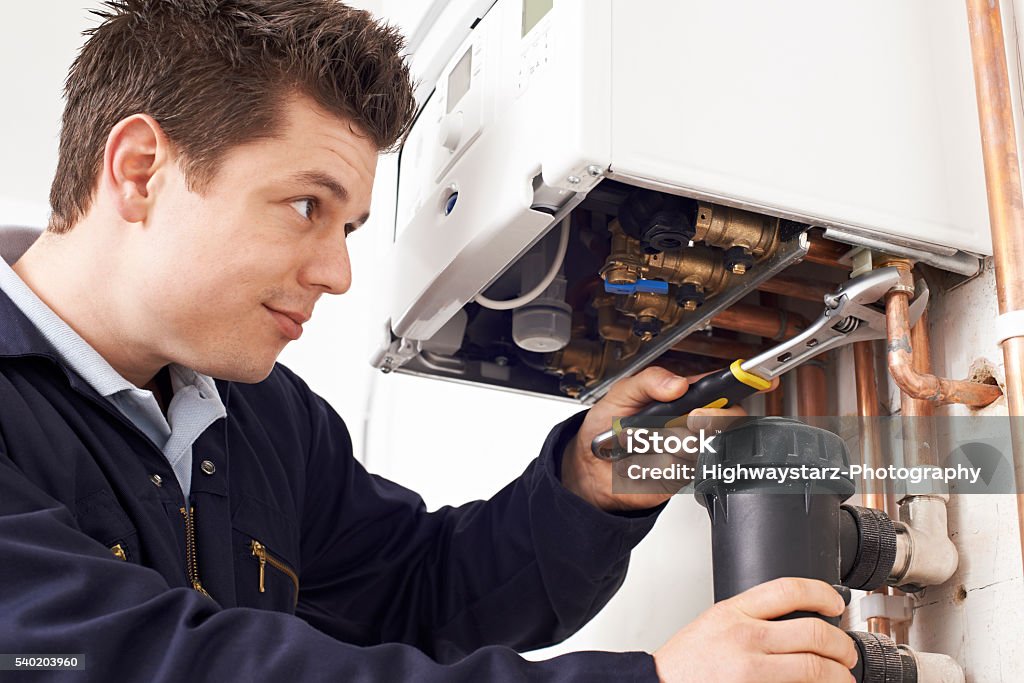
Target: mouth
288 322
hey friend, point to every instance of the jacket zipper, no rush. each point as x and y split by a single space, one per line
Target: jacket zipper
119 552
190 550
259 551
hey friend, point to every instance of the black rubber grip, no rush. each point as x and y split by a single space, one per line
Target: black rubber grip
701 394
876 548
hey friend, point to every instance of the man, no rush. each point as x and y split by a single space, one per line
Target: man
173 504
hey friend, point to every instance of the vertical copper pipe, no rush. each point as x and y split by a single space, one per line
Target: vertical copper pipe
812 390
900 629
1005 205
918 435
867 409
871 452
775 403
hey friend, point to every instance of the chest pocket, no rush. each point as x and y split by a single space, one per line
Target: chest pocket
101 518
265 543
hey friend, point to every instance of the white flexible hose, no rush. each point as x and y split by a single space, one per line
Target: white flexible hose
563 243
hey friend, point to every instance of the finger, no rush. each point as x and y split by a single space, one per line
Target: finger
652 384
710 419
806 668
775 385
811 635
786 595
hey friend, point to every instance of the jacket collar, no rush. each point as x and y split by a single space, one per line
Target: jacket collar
18 336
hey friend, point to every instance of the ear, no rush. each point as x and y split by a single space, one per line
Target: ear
136 150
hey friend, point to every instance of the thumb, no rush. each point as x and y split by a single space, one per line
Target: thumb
652 384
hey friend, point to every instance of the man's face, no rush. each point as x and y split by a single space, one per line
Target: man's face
226 277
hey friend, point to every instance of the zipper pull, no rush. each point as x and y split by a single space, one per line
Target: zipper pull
259 551
119 552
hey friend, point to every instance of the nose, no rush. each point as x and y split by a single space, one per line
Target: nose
329 268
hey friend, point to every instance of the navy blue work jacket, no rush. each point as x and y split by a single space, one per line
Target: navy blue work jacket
293 563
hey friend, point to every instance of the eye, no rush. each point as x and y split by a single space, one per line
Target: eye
305 207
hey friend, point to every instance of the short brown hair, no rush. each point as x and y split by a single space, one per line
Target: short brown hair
214 74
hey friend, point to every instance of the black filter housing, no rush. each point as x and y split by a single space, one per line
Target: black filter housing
662 222
763 528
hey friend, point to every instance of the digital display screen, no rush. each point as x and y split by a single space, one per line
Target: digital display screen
534 11
458 79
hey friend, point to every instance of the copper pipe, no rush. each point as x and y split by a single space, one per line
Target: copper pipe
939 390
871 450
775 402
716 347
918 436
867 387
880 624
1005 205
901 629
826 252
760 321
812 391
910 406
798 288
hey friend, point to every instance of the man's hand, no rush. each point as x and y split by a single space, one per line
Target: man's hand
735 641
590 477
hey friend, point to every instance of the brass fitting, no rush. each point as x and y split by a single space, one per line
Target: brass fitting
697 265
628 348
610 326
584 362
650 312
698 271
625 262
583 359
904 266
746 236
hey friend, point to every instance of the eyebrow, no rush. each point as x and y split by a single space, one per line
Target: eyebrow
325 181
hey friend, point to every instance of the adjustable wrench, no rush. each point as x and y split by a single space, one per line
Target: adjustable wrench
850 316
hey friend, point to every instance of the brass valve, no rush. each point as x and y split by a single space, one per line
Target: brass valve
610 327
747 237
698 270
579 364
650 312
625 262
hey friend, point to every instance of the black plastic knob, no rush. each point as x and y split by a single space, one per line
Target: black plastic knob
689 292
876 548
738 256
661 222
880 660
571 384
645 326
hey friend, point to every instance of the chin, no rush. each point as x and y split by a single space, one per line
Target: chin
244 370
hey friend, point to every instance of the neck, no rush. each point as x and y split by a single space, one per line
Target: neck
75 275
